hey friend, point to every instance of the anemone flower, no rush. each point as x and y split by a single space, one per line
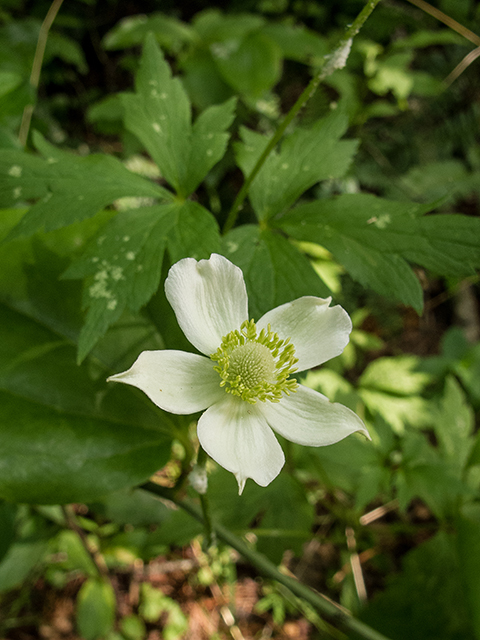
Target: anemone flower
243 381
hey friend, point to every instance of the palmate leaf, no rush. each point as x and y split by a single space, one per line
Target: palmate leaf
275 271
67 188
306 157
427 599
64 437
159 115
123 263
374 238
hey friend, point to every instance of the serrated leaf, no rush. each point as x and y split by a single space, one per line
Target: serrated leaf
426 599
391 388
67 188
95 608
425 475
453 424
398 411
123 263
64 436
373 238
306 157
275 271
159 115
399 375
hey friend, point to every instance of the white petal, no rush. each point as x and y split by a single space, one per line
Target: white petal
175 381
308 417
209 299
235 434
318 332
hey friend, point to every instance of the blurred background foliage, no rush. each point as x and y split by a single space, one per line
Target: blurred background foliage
389 529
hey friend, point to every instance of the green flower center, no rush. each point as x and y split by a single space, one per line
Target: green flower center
256 367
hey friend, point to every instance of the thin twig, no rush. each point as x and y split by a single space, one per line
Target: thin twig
356 565
461 66
450 22
37 68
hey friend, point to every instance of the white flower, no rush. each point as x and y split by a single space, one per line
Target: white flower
243 379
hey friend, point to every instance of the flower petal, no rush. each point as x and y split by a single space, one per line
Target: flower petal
209 299
235 434
309 418
175 381
318 332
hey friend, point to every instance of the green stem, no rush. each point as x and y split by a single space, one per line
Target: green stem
326 607
37 67
330 64
202 458
207 521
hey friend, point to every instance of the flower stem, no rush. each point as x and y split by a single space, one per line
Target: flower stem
336 614
330 64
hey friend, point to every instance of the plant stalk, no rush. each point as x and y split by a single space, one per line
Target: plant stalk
335 60
335 614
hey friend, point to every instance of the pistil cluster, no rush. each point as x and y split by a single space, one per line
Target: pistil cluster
256 367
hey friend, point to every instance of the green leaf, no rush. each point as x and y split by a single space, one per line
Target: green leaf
123 264
49 457
270 508
201 79
468 544
76 558
133 628
426 600
252 66
159 115
374 238
297 42
95 609
9 80
21 558
454 423
65 437
342 465
425 475
67 188
306 157
169 32
275 271
7 527
213 26
135 507
399 375
154 603
398 411
67 49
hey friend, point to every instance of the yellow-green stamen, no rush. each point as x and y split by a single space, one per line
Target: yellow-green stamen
256 367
